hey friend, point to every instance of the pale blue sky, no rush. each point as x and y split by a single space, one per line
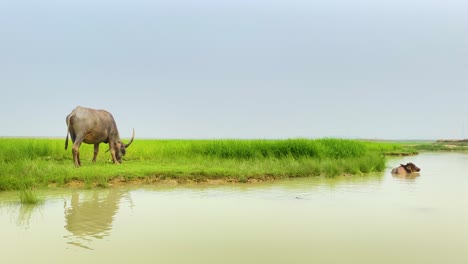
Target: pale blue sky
381 69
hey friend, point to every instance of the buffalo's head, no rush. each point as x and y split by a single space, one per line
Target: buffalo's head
410 167
121 148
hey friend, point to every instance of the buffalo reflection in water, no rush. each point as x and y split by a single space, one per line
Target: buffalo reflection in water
89 216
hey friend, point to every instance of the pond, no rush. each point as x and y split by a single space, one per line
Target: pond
361 219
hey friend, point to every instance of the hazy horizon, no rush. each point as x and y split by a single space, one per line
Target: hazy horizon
238 69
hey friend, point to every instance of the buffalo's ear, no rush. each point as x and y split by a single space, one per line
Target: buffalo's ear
402 165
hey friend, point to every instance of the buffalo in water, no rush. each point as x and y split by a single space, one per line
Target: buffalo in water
94 127
406 169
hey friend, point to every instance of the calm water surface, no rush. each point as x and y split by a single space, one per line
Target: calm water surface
371 219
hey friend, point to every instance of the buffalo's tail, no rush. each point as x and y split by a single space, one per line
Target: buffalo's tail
68 132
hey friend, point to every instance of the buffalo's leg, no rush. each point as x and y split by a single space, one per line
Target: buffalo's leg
96 151
114 158
76 153
112 151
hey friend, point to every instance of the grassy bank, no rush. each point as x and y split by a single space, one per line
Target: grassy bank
36 163
443 145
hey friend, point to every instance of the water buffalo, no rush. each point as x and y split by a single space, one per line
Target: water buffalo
94 127
406 169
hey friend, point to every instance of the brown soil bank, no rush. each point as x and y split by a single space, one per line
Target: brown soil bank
120 181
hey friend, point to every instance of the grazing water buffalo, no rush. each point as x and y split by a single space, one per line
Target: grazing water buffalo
406 169
94 127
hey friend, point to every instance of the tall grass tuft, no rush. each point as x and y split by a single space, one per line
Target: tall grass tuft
28 196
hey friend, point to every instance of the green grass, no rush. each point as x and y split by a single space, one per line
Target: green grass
38 163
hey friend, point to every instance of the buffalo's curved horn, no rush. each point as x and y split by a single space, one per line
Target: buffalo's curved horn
131 140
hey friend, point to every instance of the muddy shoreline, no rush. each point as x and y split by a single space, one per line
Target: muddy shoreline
161 180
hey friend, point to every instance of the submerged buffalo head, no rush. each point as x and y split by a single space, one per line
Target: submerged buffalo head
410 167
